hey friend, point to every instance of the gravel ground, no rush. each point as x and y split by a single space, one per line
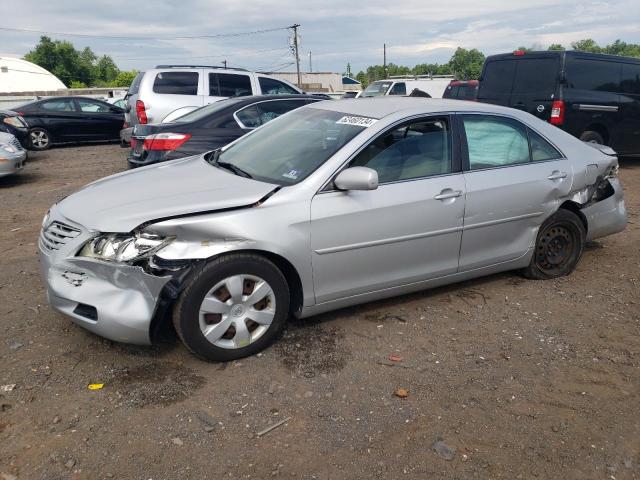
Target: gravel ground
504 378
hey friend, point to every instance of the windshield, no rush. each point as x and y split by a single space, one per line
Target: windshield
376 89
205 111
288 149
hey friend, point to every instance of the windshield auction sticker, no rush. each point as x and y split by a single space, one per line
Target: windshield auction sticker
358 121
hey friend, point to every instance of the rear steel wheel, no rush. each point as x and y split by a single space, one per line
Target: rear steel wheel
558 247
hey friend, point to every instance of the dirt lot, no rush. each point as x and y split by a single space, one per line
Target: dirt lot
518 379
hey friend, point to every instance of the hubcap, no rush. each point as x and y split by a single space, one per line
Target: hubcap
555 248
237 311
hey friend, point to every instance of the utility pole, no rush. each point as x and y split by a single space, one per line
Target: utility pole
384 59
295 48
310 64
224 62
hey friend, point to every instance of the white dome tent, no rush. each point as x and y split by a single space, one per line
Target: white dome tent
18 75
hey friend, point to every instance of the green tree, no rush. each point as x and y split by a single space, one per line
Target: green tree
123 79
71 65
555 47
467 64
587 45
106 70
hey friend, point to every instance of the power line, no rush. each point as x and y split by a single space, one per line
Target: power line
117 37
228 54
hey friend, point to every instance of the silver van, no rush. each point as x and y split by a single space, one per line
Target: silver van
167 92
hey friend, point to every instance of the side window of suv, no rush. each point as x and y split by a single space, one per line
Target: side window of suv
598 75
495 141
176 83
631 78
229 85
269 86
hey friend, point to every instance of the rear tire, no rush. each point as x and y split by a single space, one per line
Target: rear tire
235 307
591 136
40 139
559 246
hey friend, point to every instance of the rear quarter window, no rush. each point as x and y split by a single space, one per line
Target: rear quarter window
176 83
595 75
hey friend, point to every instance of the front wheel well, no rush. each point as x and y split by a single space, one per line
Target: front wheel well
575 208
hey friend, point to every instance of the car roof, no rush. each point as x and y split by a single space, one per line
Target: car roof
379 107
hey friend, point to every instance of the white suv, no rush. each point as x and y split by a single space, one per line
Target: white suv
167 92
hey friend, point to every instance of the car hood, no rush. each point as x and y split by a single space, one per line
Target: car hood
122 202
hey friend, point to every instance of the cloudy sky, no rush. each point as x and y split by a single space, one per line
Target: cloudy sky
336 32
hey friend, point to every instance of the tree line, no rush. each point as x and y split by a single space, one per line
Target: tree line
78 68
467 64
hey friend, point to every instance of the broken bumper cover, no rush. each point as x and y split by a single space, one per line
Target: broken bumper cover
115 301
607 216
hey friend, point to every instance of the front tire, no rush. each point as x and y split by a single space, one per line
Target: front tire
559 246
40 139
235 307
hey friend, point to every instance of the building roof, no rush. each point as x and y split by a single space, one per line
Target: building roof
349 81
18 75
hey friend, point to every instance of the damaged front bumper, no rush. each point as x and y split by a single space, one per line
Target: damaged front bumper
606 216
115 301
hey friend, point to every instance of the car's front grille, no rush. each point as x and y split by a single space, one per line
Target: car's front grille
57 234
16 144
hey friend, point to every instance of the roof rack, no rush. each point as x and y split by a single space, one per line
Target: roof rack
202 66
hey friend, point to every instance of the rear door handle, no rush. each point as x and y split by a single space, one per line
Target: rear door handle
448 193
557 175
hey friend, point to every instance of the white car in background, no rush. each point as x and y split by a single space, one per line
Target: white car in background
12 155
434 85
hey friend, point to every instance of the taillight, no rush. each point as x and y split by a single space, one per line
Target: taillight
165 141
519 53
141 112
557 113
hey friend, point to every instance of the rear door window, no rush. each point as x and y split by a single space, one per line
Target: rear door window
497 79
596 75
92 107
270 86
176 83
630 79
495 141
229 85
536 76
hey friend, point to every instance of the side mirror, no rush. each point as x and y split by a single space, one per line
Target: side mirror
357 178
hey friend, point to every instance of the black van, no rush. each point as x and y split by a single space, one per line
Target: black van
592 96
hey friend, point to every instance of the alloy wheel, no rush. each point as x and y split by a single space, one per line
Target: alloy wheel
39 139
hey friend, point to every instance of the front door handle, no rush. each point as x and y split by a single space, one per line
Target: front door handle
448 193
557 175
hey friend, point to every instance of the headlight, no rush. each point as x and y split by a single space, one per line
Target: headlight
123 247
7 148
45 218
15 122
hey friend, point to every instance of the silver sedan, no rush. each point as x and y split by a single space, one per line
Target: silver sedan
331 205
12 155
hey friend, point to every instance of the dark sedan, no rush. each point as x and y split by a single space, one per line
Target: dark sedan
11 122
209 127
71 119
